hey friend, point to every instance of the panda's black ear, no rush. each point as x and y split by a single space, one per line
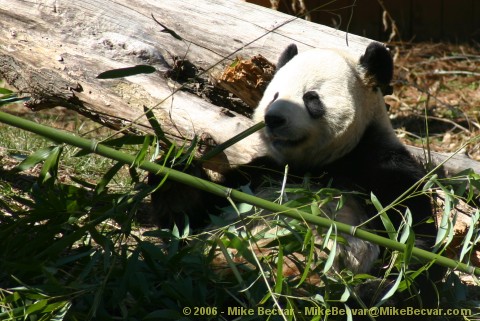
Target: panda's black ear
378 64
289 52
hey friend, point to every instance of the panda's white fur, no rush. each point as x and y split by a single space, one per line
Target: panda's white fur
351 253
351 106
354 254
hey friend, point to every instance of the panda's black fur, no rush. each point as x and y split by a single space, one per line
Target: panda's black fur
376 163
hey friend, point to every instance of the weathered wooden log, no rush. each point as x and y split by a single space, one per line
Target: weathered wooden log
53 51
452 163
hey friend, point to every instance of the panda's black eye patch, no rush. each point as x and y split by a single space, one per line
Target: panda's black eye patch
314 104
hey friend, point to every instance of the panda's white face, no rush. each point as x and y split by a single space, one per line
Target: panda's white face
317 107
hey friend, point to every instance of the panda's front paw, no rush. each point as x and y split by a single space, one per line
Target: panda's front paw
178 204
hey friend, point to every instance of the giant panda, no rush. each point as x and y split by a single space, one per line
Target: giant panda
325 117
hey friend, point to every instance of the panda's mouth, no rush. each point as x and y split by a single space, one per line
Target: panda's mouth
282 142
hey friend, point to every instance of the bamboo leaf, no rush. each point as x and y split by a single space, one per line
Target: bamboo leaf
348 313
125 72
241 246
82 182
5 91
387 223
392 290
315 208
466 246
432 180
107 178
37 307
189 154
232 265
445 223
59 310
37 157
142 153
333 252
49 169
186 228
407 236
157 129
99 238
12 99
404 230
310 242
279 277
327 237
345 295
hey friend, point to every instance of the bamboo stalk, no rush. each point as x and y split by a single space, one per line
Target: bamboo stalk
94 147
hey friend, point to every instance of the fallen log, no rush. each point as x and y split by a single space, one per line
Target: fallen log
54 50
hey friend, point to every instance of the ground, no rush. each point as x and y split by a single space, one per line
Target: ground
441 81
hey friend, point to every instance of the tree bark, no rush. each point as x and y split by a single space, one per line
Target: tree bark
53 51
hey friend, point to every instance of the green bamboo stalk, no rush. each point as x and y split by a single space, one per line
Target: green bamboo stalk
94 147
220 148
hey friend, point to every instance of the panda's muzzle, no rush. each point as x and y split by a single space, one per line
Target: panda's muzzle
274 121
279 131
276 118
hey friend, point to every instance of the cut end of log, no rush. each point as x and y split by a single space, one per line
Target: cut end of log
247 79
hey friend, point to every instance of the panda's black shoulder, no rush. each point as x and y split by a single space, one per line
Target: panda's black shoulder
382 166
378 152
379 163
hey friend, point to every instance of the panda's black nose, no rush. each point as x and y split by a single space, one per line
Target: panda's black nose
274 121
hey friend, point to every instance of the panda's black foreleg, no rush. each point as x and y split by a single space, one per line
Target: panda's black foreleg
174 203
177 204
405 173
388 170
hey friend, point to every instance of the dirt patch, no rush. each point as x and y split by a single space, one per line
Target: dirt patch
441 81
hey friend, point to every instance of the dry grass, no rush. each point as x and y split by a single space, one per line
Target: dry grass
442 81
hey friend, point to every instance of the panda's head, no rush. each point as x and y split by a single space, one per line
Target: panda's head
320 102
